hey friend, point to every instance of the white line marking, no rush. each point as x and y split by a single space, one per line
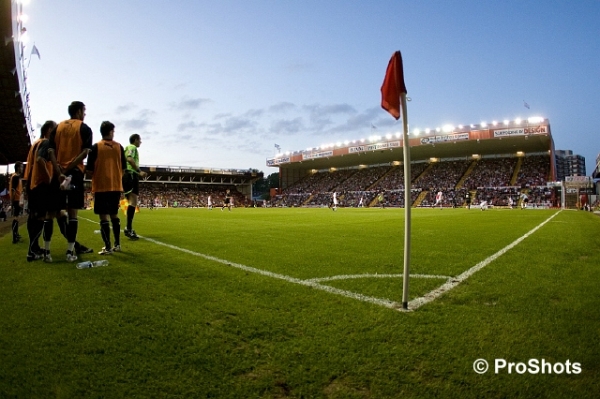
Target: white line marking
364 298
314 283
378 301
430 296
376 275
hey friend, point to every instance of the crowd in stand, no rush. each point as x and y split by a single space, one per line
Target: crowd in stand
534 171
443 175
383 186
488 180
186 196
495 172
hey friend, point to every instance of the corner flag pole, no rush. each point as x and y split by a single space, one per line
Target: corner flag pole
393 100
407 203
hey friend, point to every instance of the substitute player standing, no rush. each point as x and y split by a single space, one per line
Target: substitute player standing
131 182
106 164
70 143
37 178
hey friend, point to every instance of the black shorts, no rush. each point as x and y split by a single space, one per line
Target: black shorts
55 202
38 200
131 183
107 203
73 198
17 210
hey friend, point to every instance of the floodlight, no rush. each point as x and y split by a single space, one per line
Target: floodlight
535 119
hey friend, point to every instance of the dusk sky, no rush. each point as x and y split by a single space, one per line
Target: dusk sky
219 83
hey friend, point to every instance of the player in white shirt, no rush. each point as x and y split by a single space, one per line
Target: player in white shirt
524 200
484 205
209 202
334 202
438 199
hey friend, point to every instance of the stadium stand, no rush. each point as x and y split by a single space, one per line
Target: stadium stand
488 179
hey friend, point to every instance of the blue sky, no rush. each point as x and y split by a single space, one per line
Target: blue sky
218 83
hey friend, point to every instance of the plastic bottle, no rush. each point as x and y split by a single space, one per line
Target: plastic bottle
66 184
88 264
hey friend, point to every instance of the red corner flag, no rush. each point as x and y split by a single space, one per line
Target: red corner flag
393 86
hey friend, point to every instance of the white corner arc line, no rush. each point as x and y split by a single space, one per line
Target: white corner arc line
374 275
432 295
353 295
365 298
314 283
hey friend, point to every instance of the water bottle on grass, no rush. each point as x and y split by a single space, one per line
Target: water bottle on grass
88 264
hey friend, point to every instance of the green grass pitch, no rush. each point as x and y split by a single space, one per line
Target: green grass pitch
273 303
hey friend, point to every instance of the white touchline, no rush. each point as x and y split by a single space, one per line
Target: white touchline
430 296
314 282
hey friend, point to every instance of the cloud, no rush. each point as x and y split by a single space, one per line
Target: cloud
322 116
187 125
254 113
282 107
142 121
361 121
187 104
121 109
221 116
235 124
287 126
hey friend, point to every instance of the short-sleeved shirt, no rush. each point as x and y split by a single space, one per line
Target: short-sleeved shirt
131 151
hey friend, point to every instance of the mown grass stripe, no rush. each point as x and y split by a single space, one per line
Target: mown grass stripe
432 295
